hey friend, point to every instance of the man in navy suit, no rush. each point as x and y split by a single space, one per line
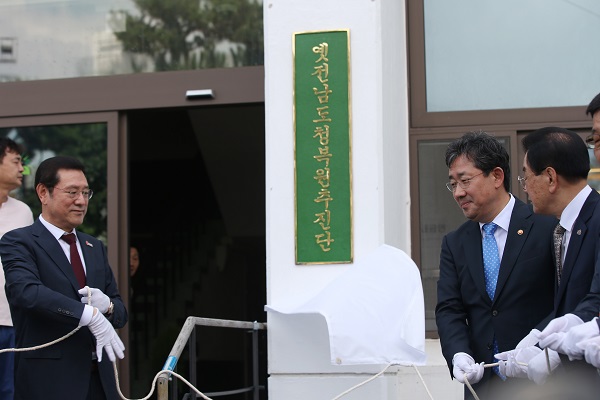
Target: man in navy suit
471 324
583 341
48 302
555 168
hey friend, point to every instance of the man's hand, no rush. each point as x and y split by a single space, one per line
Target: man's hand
537 369
513 363
557 325
99 299
465 368
106 337
591 350
566 343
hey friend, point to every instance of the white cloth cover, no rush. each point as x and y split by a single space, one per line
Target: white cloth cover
375 311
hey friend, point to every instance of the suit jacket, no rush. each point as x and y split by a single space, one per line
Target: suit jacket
467 319
579 290
42 292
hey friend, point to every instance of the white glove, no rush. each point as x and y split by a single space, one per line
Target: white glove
537 370
560 324
99 299
591 348
106 337
566 343
513 363
530 340
465 368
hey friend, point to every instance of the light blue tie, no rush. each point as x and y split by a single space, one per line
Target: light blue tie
491 259
491 266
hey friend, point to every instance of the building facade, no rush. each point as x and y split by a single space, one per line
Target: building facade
214 115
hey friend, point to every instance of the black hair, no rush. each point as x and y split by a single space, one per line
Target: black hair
483 150
47 172
593 106
559 148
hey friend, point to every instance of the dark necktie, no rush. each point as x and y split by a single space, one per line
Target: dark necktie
559 232
491 267
75 259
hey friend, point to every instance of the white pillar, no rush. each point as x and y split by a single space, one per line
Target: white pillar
298 347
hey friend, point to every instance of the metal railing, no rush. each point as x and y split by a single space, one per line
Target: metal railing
187 336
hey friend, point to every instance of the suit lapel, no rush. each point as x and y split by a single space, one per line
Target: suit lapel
576 240
474 257
55 252
88 254
518 231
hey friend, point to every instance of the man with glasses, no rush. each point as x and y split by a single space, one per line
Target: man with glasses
60 286
555 170
493 288
583 340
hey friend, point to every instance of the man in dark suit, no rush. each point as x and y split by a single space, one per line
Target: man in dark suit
46 300
472 322
583 340
555 169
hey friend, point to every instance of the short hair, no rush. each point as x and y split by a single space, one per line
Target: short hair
559 148
8 146
593 106
483 150
47 171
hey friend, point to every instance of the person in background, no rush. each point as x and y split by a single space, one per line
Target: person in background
58 280
13 214
477 311
555 169
134 260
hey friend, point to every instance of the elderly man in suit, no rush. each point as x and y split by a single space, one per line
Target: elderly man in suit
48 284
555 169
493 288
583 340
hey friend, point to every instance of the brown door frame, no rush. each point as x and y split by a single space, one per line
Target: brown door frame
107 99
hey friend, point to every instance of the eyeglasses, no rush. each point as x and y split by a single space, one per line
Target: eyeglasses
73 194
523 181
463 183
593 141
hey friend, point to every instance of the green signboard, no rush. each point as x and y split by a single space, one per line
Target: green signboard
322 128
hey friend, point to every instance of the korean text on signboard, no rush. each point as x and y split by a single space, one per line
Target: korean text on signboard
322 125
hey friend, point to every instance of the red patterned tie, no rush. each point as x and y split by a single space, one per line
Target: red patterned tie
75 260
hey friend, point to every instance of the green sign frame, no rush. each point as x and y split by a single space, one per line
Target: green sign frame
323 156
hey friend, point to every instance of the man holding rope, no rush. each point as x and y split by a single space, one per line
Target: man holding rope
481 309
555 168
583 340
62 288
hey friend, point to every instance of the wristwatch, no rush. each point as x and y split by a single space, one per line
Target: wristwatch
111 308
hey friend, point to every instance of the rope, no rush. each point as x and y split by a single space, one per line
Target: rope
114 363
375 376
41 346
154 384
520 363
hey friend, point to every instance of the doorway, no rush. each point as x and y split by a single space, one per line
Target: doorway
197 219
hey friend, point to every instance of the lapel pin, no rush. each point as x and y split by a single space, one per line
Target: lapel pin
520 232
579 231
88 244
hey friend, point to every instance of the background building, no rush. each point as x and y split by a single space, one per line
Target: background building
103 82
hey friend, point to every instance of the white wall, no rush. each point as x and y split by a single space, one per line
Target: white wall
298 352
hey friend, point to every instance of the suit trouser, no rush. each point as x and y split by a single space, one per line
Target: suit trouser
7 362
95 391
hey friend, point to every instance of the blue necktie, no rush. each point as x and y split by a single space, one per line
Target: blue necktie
491 259
491 267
